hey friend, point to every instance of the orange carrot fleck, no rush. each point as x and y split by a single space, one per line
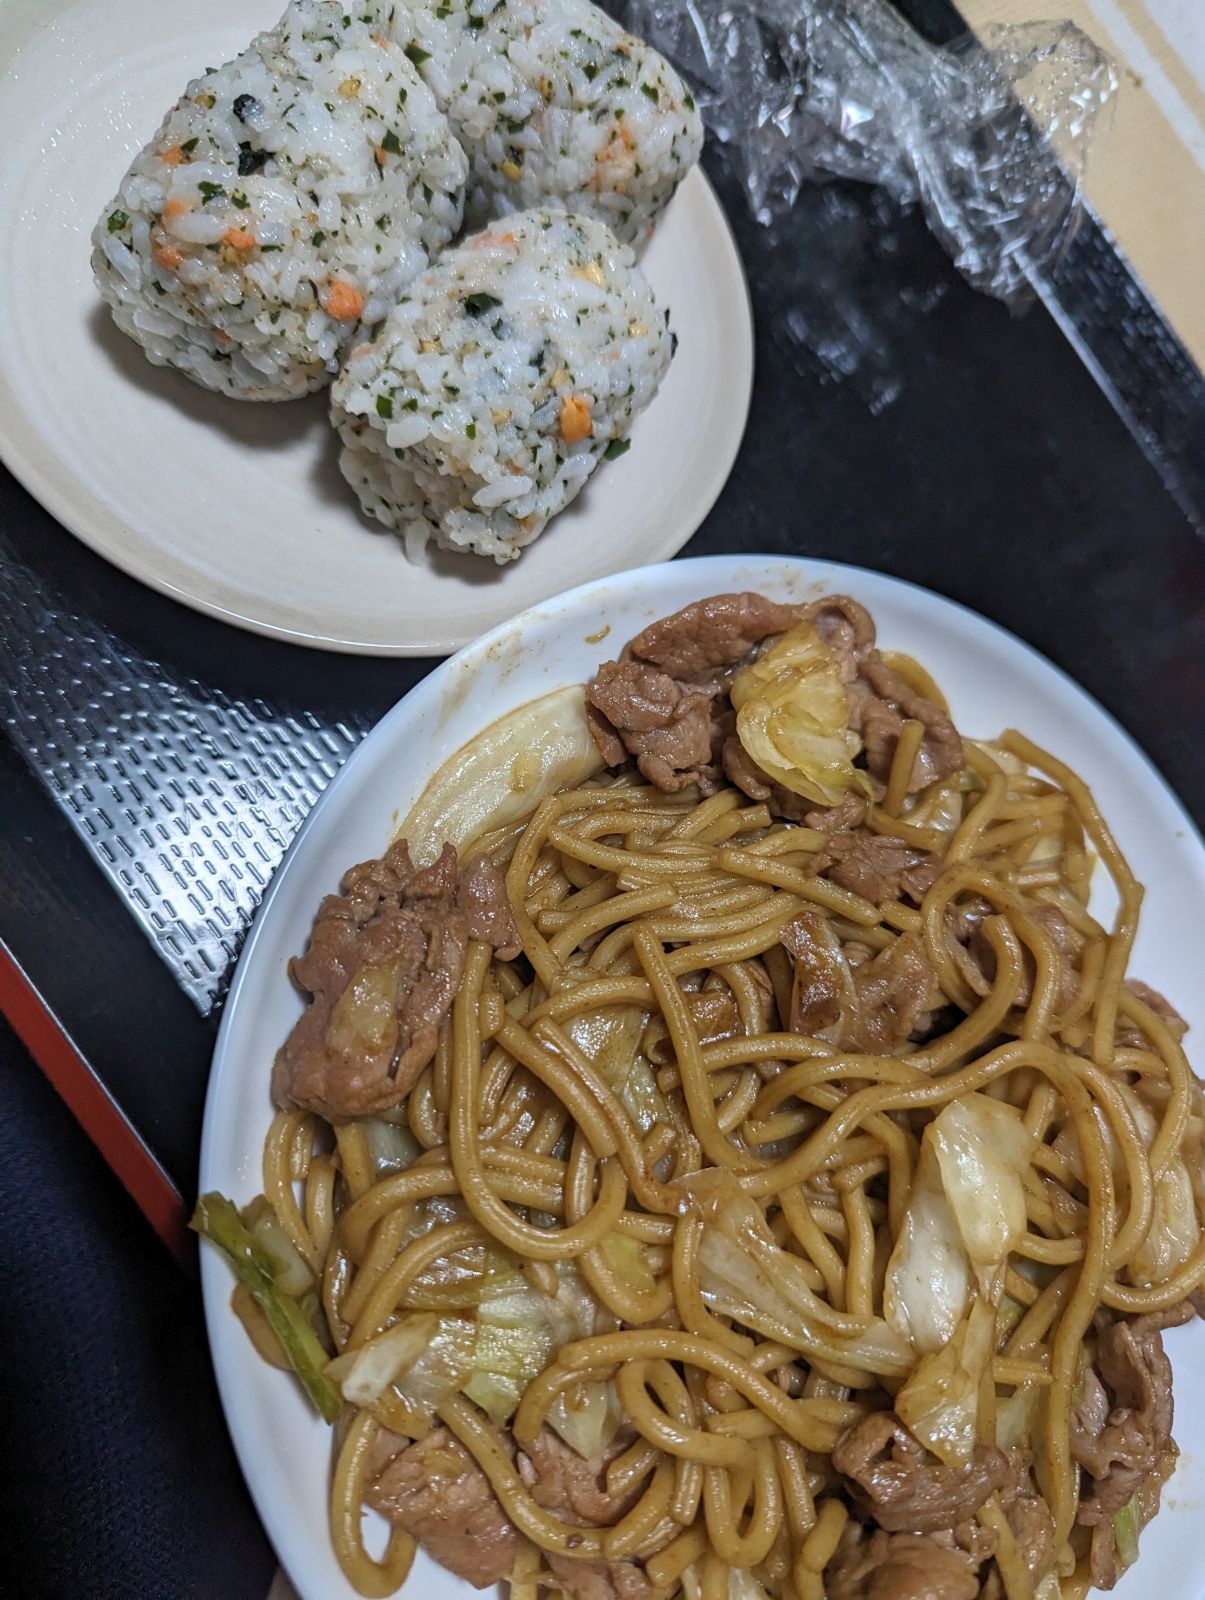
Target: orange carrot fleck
239 239
343 301
168 257
174 156
379 154
576 421
175 208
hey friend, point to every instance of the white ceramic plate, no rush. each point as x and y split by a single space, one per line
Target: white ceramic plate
237 509
993 681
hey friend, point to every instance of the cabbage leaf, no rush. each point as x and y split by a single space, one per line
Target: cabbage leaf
792 717
940 1401
965 1214
743 1274
503 773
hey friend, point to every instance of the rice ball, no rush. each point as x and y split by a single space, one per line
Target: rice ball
506 375
283 205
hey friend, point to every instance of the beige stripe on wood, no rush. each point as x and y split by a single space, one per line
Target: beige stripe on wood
1143 180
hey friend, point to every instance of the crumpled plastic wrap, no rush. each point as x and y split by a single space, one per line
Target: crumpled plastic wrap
991 139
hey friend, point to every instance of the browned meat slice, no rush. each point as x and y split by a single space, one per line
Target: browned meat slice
382 968
481 895
741 769
1104 1558
904 1488
664 701
1122 1427
873 1565
666 725
896 993
607 742
714 1014
819 983
849 813
1033 1529
1031 1523
385 1445
880 702
846 627
1068 949
879 867
575 1490
1129 1035
1104 1564
703 642
436 1491
612 1580
647 703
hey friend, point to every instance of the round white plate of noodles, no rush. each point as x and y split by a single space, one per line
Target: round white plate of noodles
238 509
993 681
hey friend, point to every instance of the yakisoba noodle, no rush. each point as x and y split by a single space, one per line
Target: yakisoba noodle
749 1223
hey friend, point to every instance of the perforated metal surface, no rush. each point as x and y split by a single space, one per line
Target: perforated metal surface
186 797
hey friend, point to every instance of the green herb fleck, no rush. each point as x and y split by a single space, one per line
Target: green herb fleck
189 146
476 304
650 93
238 198
617 448
417 54
410 405
688 100
266 249
211 191
591 71
384 406
117 221
317 238
391 143
470 429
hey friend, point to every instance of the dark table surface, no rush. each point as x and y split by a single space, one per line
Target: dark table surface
946 441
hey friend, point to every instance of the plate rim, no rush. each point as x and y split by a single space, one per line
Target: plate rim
260 1480
87 517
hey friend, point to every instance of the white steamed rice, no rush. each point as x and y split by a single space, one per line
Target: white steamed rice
554 103
285 202
506 374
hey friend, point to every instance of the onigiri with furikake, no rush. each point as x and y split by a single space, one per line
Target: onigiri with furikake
507 373
556 104
284 203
